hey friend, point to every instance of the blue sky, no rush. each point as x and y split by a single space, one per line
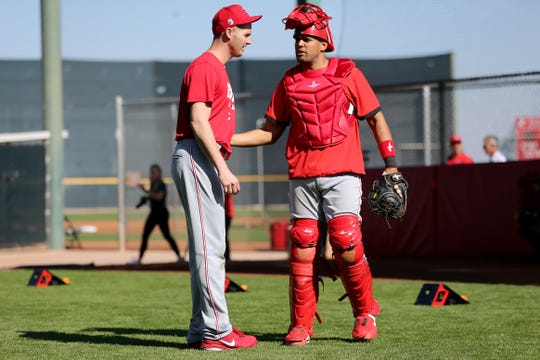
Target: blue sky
486 36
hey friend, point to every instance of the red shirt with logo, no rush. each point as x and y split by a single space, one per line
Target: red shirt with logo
206 80
341 158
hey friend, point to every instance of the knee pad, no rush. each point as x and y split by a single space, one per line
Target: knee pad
304 233
345 234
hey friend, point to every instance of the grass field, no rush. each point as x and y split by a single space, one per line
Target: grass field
144 315
247 224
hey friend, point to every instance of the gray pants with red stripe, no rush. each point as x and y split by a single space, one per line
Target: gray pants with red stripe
201 194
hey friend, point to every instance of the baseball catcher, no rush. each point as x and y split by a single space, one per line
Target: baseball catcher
322 100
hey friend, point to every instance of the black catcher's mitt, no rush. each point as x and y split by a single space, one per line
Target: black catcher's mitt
388 196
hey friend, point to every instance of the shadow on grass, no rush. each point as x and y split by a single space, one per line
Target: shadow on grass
280 338
137 331
116 338
121 336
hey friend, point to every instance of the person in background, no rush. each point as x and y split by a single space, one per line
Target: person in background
159 215
491 147
458 156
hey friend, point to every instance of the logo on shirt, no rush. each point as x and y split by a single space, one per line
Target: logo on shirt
314 84
230 96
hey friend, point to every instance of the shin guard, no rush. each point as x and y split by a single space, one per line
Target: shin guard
303 280
346 241
303 295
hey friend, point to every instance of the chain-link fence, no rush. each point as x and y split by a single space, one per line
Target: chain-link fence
422 117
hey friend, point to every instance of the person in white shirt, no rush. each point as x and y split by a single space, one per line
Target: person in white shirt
491 147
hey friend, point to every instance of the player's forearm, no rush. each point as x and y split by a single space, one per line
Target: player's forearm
204 135
268 134
250 138
383 136
207 142
380 127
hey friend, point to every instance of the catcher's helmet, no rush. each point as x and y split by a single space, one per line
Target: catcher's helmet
309 19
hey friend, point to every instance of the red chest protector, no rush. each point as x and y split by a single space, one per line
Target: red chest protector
321 114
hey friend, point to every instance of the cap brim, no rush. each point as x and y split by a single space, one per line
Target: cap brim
250 19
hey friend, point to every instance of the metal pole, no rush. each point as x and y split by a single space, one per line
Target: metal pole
121 158
175 219
442 119
426 94
51 67
260 173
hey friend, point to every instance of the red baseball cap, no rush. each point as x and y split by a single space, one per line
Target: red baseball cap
455 139
231 16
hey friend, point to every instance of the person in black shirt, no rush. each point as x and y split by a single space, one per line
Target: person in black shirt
159 215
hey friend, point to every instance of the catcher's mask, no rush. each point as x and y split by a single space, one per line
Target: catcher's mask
311 20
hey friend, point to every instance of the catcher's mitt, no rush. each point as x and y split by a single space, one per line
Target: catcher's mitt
388 196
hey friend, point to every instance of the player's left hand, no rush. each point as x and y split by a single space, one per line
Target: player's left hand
388 196
390 170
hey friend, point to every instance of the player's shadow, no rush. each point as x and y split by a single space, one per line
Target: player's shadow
127 336
115 336
280 337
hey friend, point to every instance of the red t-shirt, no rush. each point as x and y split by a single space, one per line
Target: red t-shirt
460 159
344 157
206 80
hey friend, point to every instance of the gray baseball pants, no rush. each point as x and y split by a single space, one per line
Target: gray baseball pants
201 194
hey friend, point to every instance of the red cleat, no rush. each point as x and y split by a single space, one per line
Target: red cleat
298 336
376 308
365 327
235 340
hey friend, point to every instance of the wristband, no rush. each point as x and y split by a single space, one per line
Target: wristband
387 149
390 162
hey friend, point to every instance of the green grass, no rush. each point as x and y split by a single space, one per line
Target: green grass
237 233
144 315
257 232
109 215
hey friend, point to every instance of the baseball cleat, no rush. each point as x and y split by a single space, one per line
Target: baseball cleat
376 308
235 340
298 336
365 327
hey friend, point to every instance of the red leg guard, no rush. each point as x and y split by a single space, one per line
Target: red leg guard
303 294
346 241
303 281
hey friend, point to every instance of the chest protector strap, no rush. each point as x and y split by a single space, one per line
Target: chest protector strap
321 114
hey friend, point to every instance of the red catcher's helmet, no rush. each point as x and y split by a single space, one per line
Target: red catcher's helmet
311 20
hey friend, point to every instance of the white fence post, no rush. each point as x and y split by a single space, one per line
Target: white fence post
426 94
121 157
